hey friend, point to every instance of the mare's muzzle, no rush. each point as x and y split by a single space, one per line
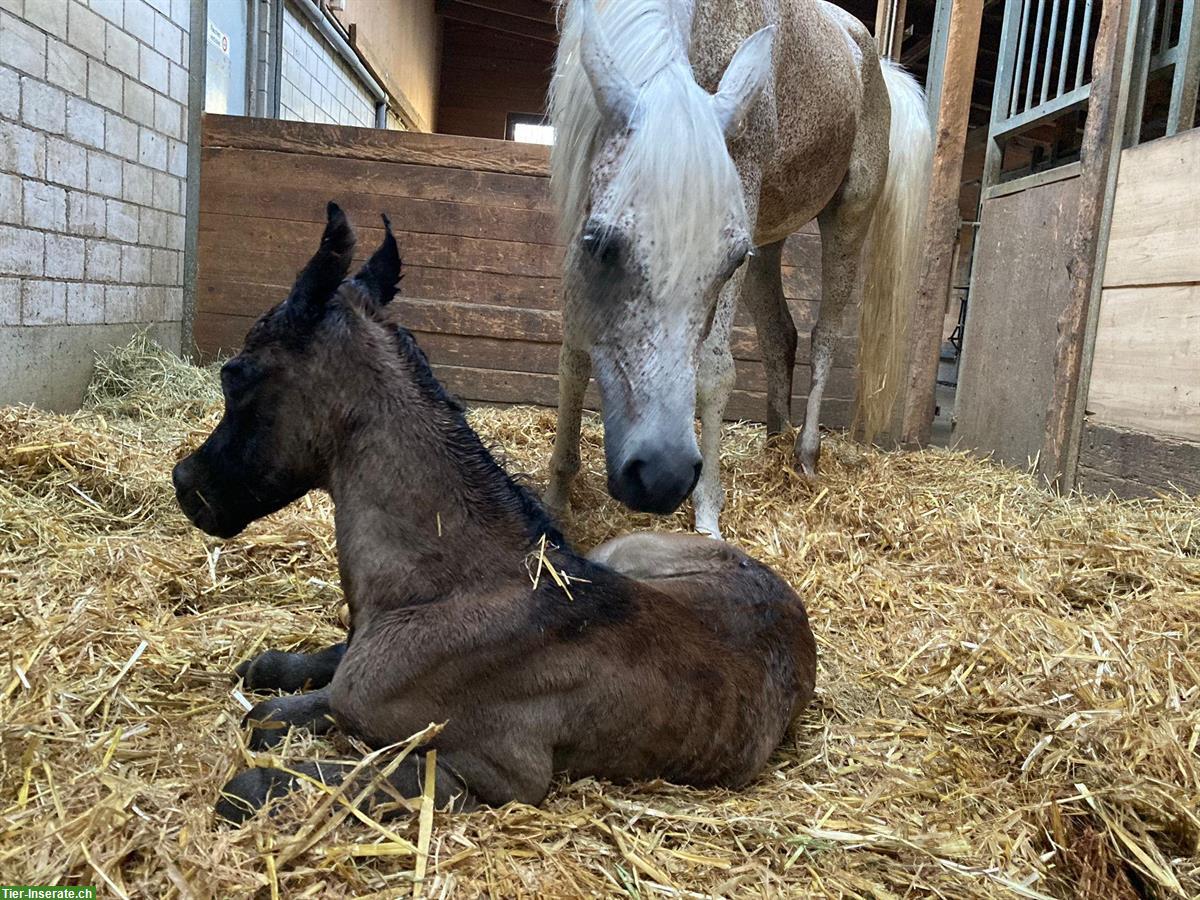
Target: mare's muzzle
656 480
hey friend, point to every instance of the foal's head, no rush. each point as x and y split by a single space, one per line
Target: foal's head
299 381
657 222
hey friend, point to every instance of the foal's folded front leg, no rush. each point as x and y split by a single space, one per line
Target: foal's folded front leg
251 789
291 672
272 719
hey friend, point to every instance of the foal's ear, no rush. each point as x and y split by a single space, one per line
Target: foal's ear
319 279
744 80
381 273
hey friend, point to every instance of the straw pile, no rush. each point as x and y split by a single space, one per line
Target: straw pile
1009 691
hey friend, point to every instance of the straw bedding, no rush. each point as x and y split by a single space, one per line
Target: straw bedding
1008 698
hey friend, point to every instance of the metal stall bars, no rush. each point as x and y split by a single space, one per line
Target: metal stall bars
1043 72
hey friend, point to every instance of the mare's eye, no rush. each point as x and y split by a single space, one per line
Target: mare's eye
605 245
735 260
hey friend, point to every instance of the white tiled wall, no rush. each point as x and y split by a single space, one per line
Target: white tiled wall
93 158
317 85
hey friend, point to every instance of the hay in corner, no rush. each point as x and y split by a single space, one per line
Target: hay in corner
1008 699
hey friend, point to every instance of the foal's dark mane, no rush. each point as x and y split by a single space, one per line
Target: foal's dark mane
474 458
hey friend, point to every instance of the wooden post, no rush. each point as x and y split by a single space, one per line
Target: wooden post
1099 154
941 219
889 27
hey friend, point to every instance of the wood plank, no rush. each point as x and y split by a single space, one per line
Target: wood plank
803 249
449 151
218 332
1146 366
941 221
1017 294
490 386
1156 214
246 246
243 296
1136 464
269 177
301 200
488 352
1100 152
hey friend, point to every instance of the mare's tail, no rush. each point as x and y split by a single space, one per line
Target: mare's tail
893 243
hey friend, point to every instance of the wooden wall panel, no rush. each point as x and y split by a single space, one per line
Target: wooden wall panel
1020 284
1146 368
1155 236
478 237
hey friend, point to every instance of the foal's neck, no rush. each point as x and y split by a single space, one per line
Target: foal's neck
422 510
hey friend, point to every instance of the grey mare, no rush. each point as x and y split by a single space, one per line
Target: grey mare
690 138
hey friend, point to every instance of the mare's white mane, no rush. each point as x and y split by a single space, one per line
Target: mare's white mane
676 172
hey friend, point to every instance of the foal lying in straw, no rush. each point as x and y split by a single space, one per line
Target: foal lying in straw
656 656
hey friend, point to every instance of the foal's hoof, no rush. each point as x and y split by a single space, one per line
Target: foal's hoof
269 723
273 670
250 790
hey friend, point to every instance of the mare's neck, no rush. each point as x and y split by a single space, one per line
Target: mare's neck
421 510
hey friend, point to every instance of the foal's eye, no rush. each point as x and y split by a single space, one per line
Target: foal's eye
237 377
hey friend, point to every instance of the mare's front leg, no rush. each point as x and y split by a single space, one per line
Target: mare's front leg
276 670
251 789
574 370
715 376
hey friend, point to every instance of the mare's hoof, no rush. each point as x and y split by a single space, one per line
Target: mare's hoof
806 461
250 790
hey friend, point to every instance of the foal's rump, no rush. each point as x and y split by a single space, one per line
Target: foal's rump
728 656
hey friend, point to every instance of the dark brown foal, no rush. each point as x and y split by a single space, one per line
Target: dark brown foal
672 656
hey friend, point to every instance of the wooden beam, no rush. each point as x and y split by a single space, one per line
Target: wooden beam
941 219
1099 158
889 27
534 10
503 22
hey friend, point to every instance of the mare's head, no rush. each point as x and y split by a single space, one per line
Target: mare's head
656 224
297 382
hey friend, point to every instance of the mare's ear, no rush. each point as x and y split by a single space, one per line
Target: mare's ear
319 279
744 80
381 273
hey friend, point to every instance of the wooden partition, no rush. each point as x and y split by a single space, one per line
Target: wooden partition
1019 289
1142 431
479 240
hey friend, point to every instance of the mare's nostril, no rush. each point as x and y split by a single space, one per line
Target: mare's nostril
634 471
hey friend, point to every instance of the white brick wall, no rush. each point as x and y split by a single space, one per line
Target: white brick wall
317 85
92 161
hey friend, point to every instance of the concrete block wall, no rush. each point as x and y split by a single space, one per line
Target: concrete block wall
317 85
93 162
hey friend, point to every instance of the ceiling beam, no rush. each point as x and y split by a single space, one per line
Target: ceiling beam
494 20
